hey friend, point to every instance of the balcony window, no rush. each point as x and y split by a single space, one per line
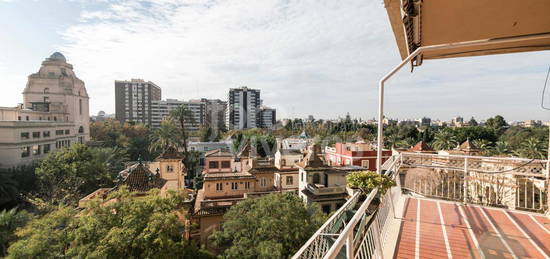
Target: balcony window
36 150
226 164
219 186
25 151
289 180
234 186
247 185
25 135
263 182
213 164
316 179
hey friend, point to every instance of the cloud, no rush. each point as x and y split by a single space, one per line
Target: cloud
320 57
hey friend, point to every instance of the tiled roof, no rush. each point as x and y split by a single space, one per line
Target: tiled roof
421 146
217 153
170 153
467 146
313 159
138 178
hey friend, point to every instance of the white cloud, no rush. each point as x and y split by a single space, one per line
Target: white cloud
320 57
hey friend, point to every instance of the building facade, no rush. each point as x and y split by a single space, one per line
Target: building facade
267 117
354 154
134 99
215 113
243 106
160 110
54 114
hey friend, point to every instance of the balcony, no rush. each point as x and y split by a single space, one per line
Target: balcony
322 190
444 207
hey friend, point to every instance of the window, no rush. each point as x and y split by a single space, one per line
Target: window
47 148
169 168
59 132
46 90
46 134
234 186
226 164
289 180
80 104
36 150
51 74
18 118
67 132
247 185
46 99
326 208
25 135
365 163
36 134
27 117
219 186
213 164
316 179
283 162
25 151
263 182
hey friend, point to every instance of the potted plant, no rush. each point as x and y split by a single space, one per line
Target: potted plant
367 181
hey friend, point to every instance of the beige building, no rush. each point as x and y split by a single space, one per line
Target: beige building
54 114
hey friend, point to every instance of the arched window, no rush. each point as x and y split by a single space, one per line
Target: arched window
81 129
316 179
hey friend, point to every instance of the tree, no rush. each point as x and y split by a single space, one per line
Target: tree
114 158
444 140
146 227
482 144
502 148
10 220
272 226
8 187
183 116
496 122
45 237
166 136
532 148
366 181
472 122
66 175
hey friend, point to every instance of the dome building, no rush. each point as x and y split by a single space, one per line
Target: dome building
54 114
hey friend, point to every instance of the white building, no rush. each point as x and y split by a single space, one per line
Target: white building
54 114
161 109
242 108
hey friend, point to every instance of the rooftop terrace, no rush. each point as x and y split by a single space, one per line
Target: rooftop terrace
444 206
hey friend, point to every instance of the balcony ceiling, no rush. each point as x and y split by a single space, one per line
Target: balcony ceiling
434 22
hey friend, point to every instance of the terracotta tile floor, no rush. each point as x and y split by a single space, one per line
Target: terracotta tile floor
453 230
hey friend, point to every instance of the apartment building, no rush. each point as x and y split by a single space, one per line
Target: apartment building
133 100
160 109
54 114
215 112
242 108
267 117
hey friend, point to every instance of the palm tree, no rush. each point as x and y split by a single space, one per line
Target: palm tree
483 145
182 115
444 140
531 148
502 148
8 187
165 136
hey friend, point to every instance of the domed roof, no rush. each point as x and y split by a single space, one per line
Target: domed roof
56 56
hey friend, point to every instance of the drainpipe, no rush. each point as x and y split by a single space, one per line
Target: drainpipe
420 51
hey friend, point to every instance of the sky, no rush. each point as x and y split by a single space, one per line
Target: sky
308 57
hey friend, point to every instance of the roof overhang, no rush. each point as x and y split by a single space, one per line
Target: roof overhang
422 23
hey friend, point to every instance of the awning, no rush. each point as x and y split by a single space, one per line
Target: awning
418 23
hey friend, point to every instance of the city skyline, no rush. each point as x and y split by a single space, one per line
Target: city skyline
300 56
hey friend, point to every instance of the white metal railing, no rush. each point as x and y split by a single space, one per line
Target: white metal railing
362 233
514 183
322 239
